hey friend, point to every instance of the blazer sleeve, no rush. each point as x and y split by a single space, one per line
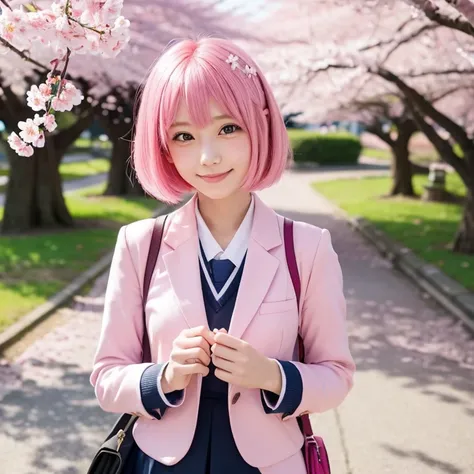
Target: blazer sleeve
291 391
327 373
153 398
117 368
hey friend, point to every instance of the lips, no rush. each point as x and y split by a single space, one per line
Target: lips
214 178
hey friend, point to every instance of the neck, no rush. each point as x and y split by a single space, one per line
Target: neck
224 216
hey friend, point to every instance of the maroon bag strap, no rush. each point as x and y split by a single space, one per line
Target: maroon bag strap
154 250
295 278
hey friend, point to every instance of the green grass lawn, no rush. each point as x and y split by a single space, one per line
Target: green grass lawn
72 171
34 267
83 145
426 228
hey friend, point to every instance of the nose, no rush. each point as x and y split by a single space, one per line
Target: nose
210 156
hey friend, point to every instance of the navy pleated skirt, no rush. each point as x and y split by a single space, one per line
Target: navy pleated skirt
213 450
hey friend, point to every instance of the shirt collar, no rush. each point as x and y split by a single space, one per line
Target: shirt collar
235 251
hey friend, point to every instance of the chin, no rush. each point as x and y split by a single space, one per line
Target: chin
218 191
216 194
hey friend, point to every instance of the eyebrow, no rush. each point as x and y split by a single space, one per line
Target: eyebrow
214 119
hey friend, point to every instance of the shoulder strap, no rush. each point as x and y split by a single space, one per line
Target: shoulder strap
154 250
293 269
303 420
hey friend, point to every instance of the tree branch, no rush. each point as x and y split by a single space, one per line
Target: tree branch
442 146
375 128
466 7
22 54
426 108
438 72
409 37
432 11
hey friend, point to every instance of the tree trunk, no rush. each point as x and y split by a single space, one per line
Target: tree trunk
122 179
34 195
402 171
464 239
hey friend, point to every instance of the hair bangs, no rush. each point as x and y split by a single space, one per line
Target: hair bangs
198 72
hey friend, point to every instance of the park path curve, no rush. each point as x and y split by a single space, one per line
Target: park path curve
411 409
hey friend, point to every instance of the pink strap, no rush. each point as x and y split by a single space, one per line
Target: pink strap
295 278
154 250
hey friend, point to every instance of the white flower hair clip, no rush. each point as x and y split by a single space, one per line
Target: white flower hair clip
234 64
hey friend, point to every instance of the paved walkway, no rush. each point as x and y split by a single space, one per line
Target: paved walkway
411 410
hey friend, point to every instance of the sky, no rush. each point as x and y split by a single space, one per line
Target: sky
256 9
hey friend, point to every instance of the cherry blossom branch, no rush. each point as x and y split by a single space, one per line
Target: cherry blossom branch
425 107
466 7
434 13
409 37
5 2
64 29
401 40
438 72
22 54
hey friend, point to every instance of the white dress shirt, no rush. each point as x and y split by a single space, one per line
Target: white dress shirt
235 251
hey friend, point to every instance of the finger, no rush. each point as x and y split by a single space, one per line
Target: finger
223 364
215 331
228 340
192 342
202 331
191 369
224 376
196 353
225 352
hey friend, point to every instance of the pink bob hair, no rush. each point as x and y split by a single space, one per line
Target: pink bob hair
196 72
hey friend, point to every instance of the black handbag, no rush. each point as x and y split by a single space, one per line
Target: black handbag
114 451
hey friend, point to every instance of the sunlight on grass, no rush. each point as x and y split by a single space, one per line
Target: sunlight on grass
75 170
34 267
427 228
81 169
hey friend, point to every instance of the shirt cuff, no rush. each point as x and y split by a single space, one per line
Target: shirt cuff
154 402
291 394
272 400
172 399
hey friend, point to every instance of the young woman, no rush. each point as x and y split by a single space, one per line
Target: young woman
224 387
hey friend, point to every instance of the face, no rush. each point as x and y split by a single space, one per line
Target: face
214 160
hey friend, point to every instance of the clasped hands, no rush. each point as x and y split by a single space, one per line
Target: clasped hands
236 361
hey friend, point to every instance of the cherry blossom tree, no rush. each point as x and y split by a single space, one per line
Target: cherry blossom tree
109 88
64 28
455 14
413 55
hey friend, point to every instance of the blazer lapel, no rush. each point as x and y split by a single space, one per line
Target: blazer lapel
182 264
260 267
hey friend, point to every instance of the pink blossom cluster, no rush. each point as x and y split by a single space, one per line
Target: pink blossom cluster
57 95
68 27
82 26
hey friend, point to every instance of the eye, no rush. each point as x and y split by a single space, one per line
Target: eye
186 137
228 129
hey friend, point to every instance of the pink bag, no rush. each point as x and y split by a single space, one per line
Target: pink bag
315 454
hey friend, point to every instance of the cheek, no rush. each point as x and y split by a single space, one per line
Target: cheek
241 153
182 159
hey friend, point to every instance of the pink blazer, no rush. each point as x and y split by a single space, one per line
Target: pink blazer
265 315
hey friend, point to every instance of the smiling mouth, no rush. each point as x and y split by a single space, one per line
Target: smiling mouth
214 177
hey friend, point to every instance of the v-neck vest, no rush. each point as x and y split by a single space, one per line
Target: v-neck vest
219 315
